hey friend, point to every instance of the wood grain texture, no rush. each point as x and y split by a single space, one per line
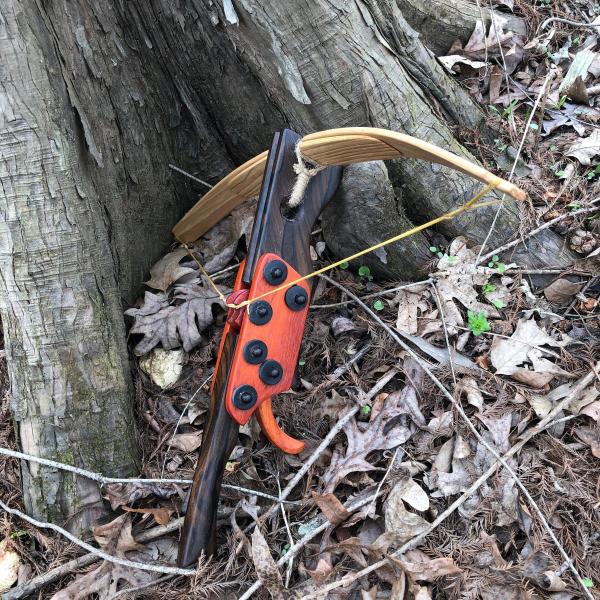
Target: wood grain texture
198 534
282 336
342 146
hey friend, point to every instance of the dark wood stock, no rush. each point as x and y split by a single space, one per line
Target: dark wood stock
289 238
199 527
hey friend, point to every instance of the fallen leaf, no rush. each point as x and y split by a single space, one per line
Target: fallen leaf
507 354
168 270
163 366
331 507
457 279
409 305
103 581
160 321
265 566
585 149
121 494
561 291
402 524
9 566
592 410
499 427
591 437
540 404
341 325
382 432
470 387
160 515
570 115
422 593
188 442
217 247
116 537
413 494
422 568
453 59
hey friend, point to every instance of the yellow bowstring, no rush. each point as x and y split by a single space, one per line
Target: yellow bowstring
446 216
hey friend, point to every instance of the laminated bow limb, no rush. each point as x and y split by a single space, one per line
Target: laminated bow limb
268 308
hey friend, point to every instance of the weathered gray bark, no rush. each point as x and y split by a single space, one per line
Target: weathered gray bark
441 22
97 99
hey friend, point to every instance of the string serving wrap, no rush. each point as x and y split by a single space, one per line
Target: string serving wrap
304 175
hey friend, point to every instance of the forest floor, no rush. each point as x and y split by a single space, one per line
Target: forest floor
419 388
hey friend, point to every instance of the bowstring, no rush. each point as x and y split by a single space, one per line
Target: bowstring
469 205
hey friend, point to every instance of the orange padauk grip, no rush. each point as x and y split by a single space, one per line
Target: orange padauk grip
274 433
279 333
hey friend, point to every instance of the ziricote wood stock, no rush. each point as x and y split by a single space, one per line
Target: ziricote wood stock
288 238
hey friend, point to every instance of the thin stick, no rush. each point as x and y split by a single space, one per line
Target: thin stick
472 427
512 171
99 553
507 246
101 479
567 22
26 589
162 471
374 294
192 177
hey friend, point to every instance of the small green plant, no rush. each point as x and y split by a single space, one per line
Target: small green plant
553 148
488 288
575 205
593 173
365 410
477 322
559 173
498 303
561 102
452 260
301 362
344 265
441 254
494 264
378 305
17 534
365 272
510 109
587 581
507 111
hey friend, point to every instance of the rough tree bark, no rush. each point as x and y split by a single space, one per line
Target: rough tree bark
97 98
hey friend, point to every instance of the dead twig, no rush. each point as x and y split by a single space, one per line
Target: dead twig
534 232
29 587
499 459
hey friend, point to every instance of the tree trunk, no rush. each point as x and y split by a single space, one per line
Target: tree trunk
441 22
98 98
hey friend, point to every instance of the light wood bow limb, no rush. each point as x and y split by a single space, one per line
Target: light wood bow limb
343 146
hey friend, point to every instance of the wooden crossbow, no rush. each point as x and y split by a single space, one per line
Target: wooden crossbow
260 344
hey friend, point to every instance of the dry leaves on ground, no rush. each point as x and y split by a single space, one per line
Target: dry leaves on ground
105 580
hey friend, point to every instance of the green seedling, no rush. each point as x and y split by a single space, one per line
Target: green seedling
560 104
477 322
365 273
378 305
301 362
488 288
344 265
498 304
593 173
365 410
494 264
